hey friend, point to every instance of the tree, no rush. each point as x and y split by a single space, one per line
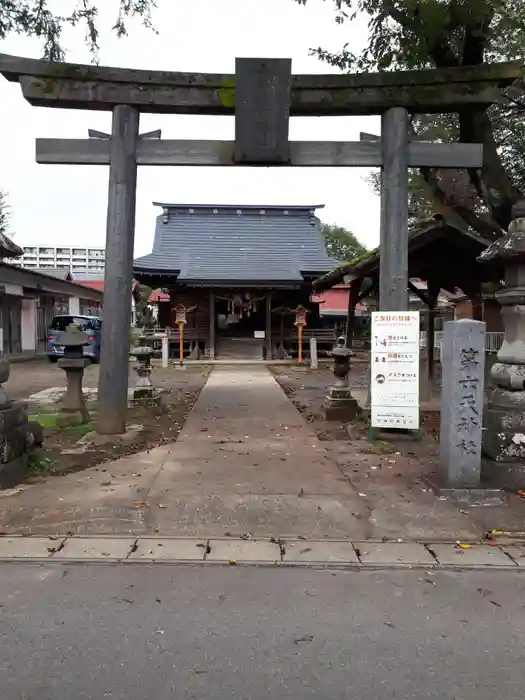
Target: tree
341 244
414 34
5 214
35 18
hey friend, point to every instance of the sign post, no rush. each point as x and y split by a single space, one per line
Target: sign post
300 322
394 378
180 319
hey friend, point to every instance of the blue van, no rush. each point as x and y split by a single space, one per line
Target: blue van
92 325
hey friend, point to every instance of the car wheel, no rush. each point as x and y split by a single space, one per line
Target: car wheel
52 358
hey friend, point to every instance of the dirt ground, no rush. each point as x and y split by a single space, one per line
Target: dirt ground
307 389
389 471
62 452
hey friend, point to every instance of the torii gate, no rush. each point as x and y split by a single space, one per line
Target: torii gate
262 95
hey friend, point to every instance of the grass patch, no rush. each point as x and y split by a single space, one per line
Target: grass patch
37 464
45 420
79 431
52 421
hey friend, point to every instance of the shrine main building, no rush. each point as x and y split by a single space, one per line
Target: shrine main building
240 271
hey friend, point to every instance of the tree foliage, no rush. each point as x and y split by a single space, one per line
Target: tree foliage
37 18
415 34
5 214
341 244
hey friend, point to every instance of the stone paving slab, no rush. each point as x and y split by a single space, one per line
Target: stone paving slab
301 552
516 552
110 548
241 551
29 547
393 553
169 549
296 552
477 555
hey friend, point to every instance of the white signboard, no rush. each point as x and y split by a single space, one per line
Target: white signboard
394 379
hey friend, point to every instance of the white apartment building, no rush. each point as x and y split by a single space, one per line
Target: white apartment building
72 258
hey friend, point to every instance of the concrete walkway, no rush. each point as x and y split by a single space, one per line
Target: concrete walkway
246 463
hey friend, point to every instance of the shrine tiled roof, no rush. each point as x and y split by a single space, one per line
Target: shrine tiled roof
236 244
9 249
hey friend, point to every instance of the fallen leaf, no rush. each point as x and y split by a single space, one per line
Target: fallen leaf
233 561
306 549
158 600
390 624
463 545
485 592
140 503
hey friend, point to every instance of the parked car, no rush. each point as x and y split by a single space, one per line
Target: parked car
92 325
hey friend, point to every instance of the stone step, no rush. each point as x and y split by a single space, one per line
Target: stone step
240 349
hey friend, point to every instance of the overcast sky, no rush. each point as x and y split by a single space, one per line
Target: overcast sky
63 205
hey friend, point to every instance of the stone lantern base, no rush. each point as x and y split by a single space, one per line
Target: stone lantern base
340 405
18 436
504 420
504 439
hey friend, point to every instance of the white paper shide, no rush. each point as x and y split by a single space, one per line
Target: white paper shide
394 376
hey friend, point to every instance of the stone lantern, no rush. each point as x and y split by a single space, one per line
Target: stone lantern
339 403
144 390
504 433
73 404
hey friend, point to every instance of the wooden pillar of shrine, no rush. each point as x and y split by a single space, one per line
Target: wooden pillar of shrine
211 338
353 298
269 326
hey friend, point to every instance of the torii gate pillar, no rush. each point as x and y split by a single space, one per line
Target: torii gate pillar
118 276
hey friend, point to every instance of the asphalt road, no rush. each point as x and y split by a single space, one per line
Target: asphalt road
140 632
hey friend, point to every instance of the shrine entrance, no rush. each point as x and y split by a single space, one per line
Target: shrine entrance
262 95
241 323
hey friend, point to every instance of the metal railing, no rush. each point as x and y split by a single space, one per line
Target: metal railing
493 341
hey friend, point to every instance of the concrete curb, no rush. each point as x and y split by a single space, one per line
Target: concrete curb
273 553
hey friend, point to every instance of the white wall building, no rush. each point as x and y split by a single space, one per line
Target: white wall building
74 258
